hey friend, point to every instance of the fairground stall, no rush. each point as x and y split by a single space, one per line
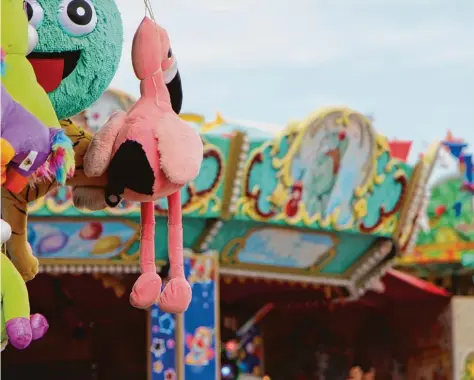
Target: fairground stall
444 249
312 214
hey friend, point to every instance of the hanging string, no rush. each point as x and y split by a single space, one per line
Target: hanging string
149 12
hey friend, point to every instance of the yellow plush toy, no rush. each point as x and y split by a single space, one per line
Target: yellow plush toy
19 77
18 327
33 145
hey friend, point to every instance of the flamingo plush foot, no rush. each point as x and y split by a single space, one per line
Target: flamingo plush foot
146 290
176 296
39 326
19 332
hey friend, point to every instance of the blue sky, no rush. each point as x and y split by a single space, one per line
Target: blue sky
409 63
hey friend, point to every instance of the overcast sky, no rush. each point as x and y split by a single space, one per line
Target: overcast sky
409 63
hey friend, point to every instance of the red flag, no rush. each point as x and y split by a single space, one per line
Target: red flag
400 149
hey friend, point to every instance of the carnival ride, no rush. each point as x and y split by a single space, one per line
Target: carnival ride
271 206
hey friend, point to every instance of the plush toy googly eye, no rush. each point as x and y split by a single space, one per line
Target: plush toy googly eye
6 231
77 17
32 38
34 12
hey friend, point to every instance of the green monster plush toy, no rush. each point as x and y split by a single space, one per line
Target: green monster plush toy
78 50
18 327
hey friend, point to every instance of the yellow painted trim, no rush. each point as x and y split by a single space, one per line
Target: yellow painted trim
231 169
192 118
405 227
209 126
92 262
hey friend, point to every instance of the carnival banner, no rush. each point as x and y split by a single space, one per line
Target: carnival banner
162 351
201 320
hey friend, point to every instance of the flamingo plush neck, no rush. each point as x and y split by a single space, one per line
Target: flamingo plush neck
150 89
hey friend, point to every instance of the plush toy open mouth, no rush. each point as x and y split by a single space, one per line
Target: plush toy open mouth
52 68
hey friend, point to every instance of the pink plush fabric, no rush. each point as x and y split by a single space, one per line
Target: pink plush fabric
173 150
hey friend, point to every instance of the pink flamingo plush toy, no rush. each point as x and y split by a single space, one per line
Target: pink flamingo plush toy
150 153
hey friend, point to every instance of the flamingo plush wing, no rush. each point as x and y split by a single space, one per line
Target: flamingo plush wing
99 153
180 147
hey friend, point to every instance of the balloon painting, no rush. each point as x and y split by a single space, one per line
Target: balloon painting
91 231
80 239
106 245
52 243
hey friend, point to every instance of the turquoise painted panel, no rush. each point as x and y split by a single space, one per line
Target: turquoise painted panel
231 230
264 244
325 175
350 249
192 230
385 196
254 133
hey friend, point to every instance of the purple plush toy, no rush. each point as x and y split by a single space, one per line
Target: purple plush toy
26 146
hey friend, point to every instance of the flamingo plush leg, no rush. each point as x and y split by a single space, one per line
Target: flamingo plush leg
99 152
177 295
146 290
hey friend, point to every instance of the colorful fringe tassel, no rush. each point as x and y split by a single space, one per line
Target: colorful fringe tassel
60 163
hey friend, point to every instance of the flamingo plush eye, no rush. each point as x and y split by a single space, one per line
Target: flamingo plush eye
77 17
34 12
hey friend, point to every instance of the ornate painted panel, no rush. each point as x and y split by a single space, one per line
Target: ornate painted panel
95 239
296 251
63 240
329 172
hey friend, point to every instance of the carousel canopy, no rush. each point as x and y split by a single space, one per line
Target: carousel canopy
325 200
